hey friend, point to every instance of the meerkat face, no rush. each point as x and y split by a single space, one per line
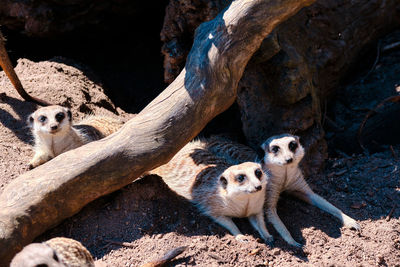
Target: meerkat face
245 178
50 120
283 150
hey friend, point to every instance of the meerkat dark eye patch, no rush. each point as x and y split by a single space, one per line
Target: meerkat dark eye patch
240 178
60 116
293 146
275 149
224 182
258 173
42 118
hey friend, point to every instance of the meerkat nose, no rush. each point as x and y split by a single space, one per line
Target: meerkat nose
258 188
54 127
289 160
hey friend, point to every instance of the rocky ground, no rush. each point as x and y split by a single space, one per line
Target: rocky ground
145 219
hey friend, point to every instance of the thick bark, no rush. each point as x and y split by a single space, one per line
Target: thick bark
45 196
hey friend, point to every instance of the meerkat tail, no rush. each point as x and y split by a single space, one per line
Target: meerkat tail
258 223
281 228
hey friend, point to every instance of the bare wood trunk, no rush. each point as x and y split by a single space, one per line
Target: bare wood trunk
6 65
43 197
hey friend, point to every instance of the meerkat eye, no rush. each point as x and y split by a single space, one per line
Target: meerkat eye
293 146
275 149
258 173
60 116
240 178
42 118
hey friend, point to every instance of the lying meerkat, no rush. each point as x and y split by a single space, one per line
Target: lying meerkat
219 189
54 132
56 252
282 155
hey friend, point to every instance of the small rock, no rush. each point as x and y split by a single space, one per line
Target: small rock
358 205
380 259
254 251
276 252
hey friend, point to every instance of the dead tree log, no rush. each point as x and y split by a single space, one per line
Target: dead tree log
43 197
6 65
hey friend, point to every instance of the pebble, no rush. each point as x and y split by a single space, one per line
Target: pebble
276 252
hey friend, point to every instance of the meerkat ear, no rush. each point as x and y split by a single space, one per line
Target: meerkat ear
30 120
69 114
223 182
264 146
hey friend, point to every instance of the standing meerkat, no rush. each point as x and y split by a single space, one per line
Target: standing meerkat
281 157
219 189
54 132
56 252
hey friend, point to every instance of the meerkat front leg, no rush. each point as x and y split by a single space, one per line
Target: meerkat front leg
312 198
39 158
227 223
258 223
281 228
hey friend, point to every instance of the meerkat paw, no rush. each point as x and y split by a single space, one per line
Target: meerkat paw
38 160
241 238
295 244
351 224
269 240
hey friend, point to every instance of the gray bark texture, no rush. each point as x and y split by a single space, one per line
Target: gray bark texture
298 67
45 196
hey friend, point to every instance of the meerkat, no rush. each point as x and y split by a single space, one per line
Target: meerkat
280 157
283 154
54 133
219 189
56 252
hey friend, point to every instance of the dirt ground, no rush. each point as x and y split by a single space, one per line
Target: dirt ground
145 219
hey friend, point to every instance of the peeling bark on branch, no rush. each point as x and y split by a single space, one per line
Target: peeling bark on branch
43 197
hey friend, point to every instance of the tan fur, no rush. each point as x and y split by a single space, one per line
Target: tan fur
212 184
285 175
50 143
56 252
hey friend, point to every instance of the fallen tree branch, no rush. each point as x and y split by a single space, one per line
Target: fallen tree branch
7 67
45 196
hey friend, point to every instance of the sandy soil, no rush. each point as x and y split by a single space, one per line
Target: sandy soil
145 219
